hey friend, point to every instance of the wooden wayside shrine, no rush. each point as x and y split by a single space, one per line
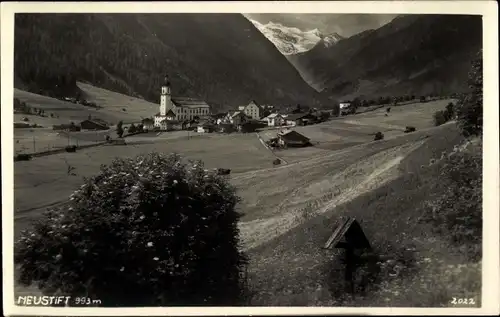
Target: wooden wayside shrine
349 236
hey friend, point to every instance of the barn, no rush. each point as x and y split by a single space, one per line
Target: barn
94 124
290 138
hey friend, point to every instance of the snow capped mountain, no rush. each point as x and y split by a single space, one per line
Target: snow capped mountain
332 39
292 40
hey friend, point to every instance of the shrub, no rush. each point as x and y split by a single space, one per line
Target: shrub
146 231
449 111
410 129
423 99
458 212
379 136
22 157
119 129
439 118
132 129
388 109
469 109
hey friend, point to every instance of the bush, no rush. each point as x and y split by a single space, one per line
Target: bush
145 231
440 118
379 136
410 129
469 109
132 129
119 129
458 212
449 111
388 109
423 99
22 157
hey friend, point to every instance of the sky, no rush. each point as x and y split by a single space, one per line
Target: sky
343 24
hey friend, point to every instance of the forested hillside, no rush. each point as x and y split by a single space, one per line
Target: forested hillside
219 57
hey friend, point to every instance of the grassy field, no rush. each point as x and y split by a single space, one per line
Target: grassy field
40 139
49 175
385 192
289 211
352 130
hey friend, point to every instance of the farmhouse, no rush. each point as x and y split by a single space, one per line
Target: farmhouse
205 127
274 119
290 138
236 118
218 118
148 124
94 124
178 108
253 110
346 107
299 119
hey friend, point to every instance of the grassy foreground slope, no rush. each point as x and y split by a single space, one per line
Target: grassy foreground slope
418 267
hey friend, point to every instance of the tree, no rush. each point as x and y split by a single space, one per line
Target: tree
146 231
119 129
440 117
469 108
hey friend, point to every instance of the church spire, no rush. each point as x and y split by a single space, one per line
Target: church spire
166 82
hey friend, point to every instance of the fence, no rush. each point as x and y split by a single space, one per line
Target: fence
35 141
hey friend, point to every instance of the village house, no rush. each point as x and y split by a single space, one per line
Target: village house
236 118
218 118
148 124
253 110
274 120
291 138
205 127
295 119
178 108
345 107
94 124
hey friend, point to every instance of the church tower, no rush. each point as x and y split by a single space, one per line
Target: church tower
165 99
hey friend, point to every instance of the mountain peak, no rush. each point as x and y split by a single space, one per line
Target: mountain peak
332 39
289 40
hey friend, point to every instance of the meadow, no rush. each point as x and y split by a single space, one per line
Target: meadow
289 211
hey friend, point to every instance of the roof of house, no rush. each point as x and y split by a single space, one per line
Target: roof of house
169 112
274 115
219 115
237 113
297 116
293 135
187 102
147 120
99 120
254 102
96 122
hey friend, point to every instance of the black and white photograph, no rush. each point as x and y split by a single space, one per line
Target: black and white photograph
250 157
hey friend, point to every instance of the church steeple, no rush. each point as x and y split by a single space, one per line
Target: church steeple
165 88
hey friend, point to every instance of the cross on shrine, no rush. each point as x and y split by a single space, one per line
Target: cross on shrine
349 236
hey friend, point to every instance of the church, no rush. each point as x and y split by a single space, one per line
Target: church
177 109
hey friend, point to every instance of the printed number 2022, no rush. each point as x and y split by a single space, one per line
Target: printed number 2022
463 301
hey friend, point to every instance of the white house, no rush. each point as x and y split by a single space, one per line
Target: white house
178 108
253 110
275 119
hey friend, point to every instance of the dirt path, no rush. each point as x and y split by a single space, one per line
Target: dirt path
357 179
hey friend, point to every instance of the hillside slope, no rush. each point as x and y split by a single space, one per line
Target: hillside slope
413 54
222 58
